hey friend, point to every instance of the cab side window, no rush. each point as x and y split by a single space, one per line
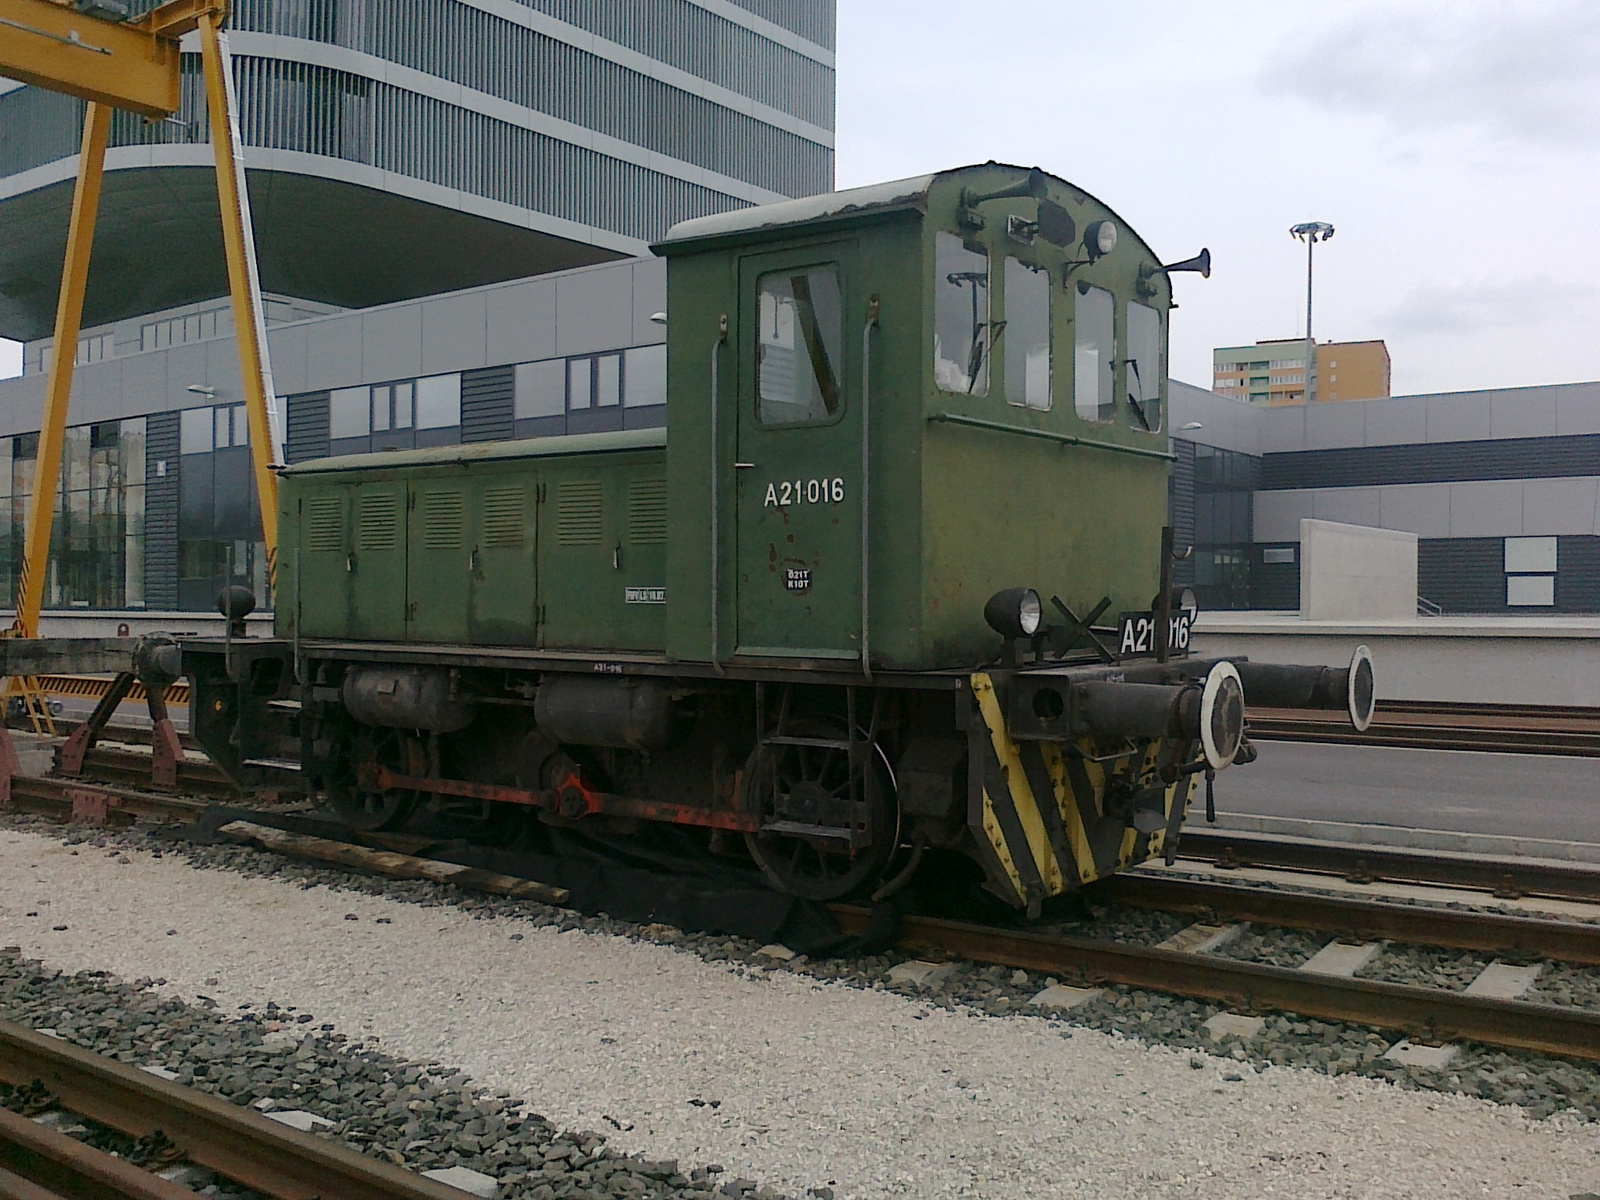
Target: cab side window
961 333
1144 368
799 336
1093 354
1026 337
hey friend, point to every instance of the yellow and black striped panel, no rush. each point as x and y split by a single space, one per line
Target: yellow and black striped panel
1041 810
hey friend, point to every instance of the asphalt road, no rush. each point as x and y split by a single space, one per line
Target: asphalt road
1515 795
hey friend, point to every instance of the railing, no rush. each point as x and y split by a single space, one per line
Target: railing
1427 608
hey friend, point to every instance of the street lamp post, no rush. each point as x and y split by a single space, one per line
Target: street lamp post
1311 232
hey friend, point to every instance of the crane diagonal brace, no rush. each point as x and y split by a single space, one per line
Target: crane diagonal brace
132 66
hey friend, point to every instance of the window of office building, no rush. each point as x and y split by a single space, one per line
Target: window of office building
97 533
400 415
219 515
1224 485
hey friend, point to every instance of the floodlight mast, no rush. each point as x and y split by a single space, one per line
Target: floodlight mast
1311 232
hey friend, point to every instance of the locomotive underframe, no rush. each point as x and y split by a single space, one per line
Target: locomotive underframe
989 762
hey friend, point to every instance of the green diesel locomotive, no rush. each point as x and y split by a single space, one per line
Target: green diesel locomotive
848 607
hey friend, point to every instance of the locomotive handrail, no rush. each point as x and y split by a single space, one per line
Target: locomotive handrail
1064 439
716 492
866 475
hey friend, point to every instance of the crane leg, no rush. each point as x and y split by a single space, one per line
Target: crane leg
244 283
63 353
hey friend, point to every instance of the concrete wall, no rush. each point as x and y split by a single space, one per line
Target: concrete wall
1356 573
1498 660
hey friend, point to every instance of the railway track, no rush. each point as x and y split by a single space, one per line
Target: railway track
1498 728
1424 1013
37 1163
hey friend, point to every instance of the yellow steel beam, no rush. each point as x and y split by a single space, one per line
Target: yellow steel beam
52 46
58 388
244 283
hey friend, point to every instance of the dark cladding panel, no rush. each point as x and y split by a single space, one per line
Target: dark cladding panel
487 404
1180 509
307 432
1464 575
1438 462
161 511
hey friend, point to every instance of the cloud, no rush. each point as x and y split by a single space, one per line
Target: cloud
1469 307
1527 70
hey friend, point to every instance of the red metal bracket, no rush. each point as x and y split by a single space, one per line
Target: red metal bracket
9 766
166 752
88 808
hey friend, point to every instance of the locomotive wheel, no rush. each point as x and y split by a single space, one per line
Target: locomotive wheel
794 782
361 807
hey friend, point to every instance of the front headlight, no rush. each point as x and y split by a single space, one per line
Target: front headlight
1014 613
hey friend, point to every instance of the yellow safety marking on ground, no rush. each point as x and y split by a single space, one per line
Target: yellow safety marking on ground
1017 782
93 687
1071 816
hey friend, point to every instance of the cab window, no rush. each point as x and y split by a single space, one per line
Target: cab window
1144 368
1093 352
1026 339
798 340
961 341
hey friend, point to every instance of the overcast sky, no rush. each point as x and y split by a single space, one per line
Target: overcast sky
1454 146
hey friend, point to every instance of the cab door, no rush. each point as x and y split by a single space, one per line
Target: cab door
797 469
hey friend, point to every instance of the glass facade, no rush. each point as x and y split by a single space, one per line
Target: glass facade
97 537
219 515
1224 481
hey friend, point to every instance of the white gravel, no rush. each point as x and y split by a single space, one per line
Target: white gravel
817 1084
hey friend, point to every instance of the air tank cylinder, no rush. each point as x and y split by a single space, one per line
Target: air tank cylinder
628 714
405 698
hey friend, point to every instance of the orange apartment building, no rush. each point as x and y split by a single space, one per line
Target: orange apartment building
1273 372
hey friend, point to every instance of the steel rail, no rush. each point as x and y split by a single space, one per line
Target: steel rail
1505 878
37 1162
1418 1012
1415 924
96 803
195 776
236 1143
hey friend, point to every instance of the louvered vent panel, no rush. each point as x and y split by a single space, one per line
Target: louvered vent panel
324 522
647 512
579 513
441 520
504 514
378 522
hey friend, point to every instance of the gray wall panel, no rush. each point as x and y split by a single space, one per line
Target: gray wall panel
649 296
1400 421
391 342
287 344
1486 509
1458 417
1278 515
1559 506
594 311
1578 408
1422 509
222 370
454 329
1351 506
1334 425
1523 416
333 352
522 322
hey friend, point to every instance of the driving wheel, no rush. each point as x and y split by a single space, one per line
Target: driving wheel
822 838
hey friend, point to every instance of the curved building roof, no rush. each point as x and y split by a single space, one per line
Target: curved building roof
397 148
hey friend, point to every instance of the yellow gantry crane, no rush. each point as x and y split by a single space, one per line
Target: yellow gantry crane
77 49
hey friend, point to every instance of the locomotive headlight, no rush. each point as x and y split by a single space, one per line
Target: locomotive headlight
1100 238
1014 612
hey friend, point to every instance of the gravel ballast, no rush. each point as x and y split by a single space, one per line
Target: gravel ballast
775 1076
